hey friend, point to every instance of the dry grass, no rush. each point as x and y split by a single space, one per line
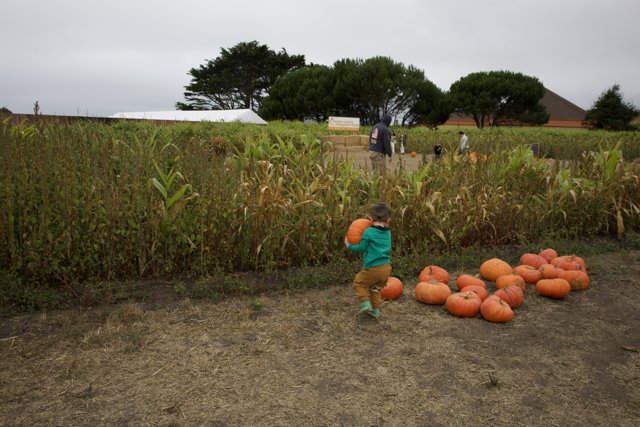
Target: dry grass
305 358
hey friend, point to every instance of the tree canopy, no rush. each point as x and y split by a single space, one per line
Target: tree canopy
240 77
367 89
302 94
497 97
611 112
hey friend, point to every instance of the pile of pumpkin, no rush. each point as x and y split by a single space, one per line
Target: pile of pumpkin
553 276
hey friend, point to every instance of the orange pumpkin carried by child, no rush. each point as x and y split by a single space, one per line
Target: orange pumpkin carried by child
357 227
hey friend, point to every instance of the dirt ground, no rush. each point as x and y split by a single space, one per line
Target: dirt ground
305 358
361 159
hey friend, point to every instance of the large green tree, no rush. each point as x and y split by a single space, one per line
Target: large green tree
240 77
611 112
302 94
377 86
497 97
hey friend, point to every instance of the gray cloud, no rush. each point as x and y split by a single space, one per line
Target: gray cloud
79 57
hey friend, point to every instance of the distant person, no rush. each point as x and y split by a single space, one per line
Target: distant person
437 152
376 269
403 141
464 143
380 145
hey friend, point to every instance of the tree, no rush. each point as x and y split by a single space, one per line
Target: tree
240 77
611 112
305 93
377 86
498 97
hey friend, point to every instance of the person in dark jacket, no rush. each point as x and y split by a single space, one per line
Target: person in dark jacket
380 145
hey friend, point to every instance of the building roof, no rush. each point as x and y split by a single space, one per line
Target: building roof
238 116
561 109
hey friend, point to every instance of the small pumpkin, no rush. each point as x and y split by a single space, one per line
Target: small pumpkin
482 291
512 295
413 154
533 260
432 292
569 262
356 228
550 271
579 280
510 280
548 254
434 272
463 304
493 268
465 280
494 309
392 290
553 288
529 273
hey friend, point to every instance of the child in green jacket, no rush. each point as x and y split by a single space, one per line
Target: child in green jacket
376 246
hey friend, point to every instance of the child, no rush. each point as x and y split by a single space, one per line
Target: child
376 245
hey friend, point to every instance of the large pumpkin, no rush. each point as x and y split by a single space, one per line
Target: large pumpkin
465 280
494 309
463 304
493 268
392 290
432 292
532 260
553 288
434 272
512 295
548 254
550 271
569 262
355 230
510 280
529 273
579 280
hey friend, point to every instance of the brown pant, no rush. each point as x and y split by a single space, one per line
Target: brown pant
369 282
378 163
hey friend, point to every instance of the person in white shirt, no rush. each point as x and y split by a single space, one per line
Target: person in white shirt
464 143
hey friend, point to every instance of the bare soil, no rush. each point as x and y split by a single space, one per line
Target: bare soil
306 358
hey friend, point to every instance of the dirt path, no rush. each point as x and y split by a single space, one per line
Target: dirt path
305 358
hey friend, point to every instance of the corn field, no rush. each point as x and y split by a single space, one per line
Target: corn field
91 201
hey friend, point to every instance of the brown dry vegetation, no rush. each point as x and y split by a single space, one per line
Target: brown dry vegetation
305 358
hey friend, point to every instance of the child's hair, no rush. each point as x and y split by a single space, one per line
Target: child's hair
380 212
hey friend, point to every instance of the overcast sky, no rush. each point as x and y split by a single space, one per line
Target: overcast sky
97 58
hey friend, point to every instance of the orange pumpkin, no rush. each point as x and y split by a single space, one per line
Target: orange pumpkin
548 254
413 154
493 268
550 271
465 280
494 309
532 260
510 280
357 227
434 272
579 280
463 304
392 290
480 290
553 288
569 262
432 292
512 295
529 273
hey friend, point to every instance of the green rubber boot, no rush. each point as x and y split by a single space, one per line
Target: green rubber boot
365 307
375 313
